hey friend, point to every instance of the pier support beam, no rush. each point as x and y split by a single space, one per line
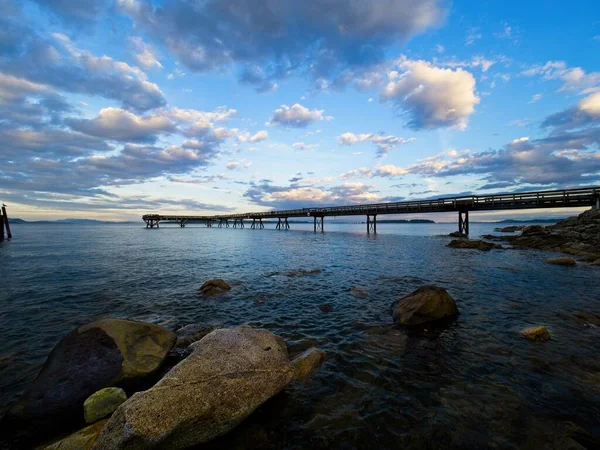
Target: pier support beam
257 224
209 223
152 223
1 227
597 203
282 224
182 223
372 224
463 222
319 224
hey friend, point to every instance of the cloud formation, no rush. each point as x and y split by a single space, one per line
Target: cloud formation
297 116
384 143
271 40
431 97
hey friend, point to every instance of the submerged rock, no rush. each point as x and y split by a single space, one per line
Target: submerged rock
229 374
302 273
562 261
307 362
103 403
475 244
539 334
325 307
80 440
103 353
426 304
214 287
510 229
586 318
359 292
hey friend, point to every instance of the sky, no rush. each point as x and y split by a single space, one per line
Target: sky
114 109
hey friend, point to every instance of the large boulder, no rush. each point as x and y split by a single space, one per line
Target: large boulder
103 403
474 244
100 354
214 287
228 375
426 304
80 440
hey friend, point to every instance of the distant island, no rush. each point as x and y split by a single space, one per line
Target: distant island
65 221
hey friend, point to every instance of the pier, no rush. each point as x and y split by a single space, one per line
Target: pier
567 198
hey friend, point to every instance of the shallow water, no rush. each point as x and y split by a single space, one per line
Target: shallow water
475 383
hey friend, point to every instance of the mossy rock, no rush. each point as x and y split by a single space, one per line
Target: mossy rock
80 440
103 353
538 334
307 362
426 304
214 287
103 403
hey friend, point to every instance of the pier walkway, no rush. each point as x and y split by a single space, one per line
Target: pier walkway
569 198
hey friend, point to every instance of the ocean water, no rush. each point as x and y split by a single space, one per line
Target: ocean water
475 383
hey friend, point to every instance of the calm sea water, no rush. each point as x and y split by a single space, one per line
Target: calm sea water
473 384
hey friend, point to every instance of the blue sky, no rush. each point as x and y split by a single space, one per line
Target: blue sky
112 109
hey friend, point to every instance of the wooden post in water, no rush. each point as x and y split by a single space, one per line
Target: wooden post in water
1 227
5 216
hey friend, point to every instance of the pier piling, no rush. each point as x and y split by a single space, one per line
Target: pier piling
372 224
463 222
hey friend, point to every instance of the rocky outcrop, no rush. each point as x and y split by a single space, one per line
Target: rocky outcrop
457 234
577 236
426 304
562 261
214 287
81 440
103 353
509 229
229 374
103 403
307 362
474 244
539 334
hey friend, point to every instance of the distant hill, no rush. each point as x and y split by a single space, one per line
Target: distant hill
66 221
405 221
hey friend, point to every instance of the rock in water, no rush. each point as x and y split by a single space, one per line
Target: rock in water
192 333
80 440
457 234
479 245
103 403
562 261
539 334
426 304
307 362
229 374
94 356
214 287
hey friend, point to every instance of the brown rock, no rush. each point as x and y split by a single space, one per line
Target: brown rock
192 333
538 334
229 374
475 244
457 234
214 287
81 440
307 362
426 304
562 261
325 307
103 353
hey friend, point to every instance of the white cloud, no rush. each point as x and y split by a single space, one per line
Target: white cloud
384 143
591 105
297 116
473 35
439 48
535 98
122 125
257 137
573 79
303 146
144 54
430 96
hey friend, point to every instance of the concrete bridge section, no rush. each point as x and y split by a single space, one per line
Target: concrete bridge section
568 198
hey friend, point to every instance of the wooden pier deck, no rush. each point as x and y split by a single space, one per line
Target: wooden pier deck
568 198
